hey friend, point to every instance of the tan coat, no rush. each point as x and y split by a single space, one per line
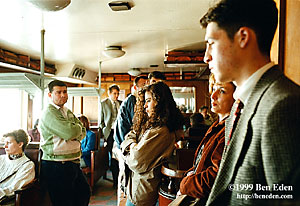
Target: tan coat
144 157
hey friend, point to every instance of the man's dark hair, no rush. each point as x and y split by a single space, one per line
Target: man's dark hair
137 79
20 136
112 87
259 15
157 75
203 107
55 83
196 119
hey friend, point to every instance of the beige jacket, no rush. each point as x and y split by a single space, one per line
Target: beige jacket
144 157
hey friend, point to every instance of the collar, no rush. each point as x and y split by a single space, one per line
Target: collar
112 101
15 156
246 88
58 107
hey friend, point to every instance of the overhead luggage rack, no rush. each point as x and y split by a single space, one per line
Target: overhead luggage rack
31 83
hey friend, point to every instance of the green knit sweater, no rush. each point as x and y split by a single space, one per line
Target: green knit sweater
60 136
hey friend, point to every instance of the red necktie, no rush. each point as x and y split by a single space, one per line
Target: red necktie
235 118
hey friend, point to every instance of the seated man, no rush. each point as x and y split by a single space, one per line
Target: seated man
16 169
208 120
198 129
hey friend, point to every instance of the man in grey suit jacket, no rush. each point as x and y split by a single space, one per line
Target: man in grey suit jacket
260 163
109 111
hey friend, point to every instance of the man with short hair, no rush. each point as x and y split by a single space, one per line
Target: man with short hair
208 120
61 133
262 133
108 115
156 76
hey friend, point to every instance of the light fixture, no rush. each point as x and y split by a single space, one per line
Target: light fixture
119 6
50 5
113 51
134 72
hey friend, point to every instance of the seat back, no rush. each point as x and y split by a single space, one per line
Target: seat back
34 153
99 164
99 160
185 158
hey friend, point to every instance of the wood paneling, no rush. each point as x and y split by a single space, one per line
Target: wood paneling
90 104
292 41
275 44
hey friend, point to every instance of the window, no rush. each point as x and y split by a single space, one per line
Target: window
184 98
13 108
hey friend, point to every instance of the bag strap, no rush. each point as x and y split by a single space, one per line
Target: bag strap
13 172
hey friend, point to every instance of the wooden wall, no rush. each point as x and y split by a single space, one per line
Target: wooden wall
89 105
275 43
292 41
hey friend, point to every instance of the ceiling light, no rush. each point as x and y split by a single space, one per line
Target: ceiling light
134 72
50 5
119 6
113 51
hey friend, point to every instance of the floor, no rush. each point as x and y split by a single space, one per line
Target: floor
104 193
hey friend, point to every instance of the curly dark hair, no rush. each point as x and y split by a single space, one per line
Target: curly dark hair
165 110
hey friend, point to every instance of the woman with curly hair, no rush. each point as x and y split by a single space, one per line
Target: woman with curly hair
157 125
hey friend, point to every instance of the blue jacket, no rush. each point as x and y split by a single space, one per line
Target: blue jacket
87 145
124 119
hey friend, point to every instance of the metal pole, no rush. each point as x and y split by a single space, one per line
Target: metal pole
42 65
99 96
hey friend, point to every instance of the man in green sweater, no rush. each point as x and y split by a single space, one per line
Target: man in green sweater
61 133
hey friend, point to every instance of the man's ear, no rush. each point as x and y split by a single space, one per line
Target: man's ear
243 36
49 94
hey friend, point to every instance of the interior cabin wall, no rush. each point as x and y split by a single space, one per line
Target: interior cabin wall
89 105
275 43
292 41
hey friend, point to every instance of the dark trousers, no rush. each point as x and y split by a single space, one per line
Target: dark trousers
65 183
113 163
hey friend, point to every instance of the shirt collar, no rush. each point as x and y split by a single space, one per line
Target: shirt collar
57 107
246 88
114 102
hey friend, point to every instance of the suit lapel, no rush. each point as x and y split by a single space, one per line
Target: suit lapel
231 155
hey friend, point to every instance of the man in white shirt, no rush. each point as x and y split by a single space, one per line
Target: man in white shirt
262 149
109 111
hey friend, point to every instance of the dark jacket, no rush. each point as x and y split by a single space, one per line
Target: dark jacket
124 119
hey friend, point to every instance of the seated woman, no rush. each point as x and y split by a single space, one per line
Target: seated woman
87 143
200 178
157 125
16 169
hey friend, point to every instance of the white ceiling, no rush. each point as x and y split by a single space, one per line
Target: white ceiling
79 33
